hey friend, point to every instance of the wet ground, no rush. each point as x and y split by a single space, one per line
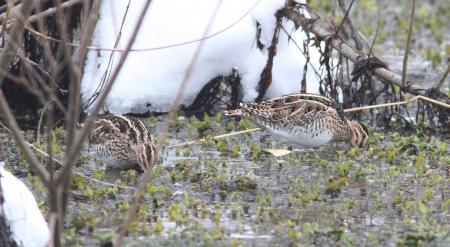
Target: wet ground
395 191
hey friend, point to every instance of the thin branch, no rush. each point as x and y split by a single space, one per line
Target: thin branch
321 28
346 19
266 75
8 6
16 36
51 11
214 138
408 42
415 98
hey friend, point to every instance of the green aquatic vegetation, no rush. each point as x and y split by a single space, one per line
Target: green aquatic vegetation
235 150
361 173
100 175
229 126
208 124
344 169
333 186
423 209
446 205
309 196
71 236
419 164
151 121
255 150
208 139
393 171
391 153
353 151
123 206
415 238
427 194
218 116
129 175
36 183
244 124
237 211
176 124
78 182
443 148
222 145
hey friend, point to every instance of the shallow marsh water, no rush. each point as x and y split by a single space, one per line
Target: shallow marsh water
395 191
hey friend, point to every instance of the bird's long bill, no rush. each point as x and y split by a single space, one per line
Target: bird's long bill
234 112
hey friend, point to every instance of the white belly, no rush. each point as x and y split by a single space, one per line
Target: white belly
111 162
110 159
302 138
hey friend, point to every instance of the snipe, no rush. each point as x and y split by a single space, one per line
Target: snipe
123 142
305 119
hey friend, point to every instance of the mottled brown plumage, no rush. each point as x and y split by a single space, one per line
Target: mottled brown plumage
123 142
305 119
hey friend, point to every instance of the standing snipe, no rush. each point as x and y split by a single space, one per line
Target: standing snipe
304 119
123 142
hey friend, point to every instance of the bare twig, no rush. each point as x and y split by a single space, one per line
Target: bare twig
346 19
51 11
76 172
214 138
408 42
15 37
9 5
415 98
266 74
321 29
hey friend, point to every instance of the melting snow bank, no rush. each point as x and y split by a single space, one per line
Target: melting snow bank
149 80
22 214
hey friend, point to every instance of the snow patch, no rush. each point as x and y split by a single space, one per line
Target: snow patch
149 80
22 213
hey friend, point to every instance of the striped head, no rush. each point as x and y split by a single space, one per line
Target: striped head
146 155
359 133
250 110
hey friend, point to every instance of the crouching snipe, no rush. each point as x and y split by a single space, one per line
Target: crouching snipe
123 142
307 120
